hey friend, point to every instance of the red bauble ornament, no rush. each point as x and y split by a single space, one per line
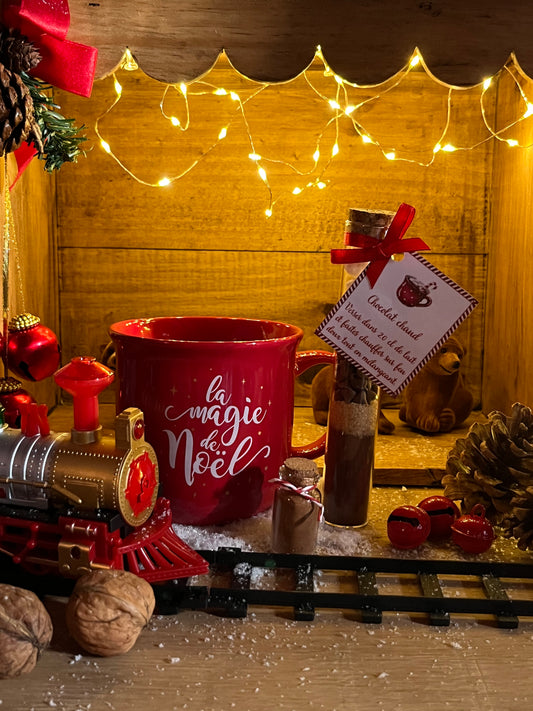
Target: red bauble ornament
33 352
408 526
12 399
442 513
473 532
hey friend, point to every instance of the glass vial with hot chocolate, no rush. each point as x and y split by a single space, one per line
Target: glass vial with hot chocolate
297 509
353 411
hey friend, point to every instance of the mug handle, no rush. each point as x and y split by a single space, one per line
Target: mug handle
305 360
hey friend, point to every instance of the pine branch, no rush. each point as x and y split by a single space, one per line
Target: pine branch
60 136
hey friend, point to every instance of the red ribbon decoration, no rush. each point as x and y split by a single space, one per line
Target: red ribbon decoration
65 64
379 252
304 491
23 156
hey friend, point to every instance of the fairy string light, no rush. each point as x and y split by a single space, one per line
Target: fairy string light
341 97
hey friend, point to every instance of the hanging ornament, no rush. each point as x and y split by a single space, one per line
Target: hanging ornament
13 399
33 352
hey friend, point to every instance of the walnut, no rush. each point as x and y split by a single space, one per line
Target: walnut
107 611
25 630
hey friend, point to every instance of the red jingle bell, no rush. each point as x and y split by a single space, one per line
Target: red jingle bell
13 399
473 532
33 352
442 513
408 526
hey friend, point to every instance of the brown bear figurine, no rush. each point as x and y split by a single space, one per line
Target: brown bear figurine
437 399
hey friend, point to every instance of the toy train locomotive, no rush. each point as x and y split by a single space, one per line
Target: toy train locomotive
73 502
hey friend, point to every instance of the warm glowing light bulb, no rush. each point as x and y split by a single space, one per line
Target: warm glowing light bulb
183 88
321 185
366 139
163 182
529 110
316 155
254 156
391 155
174 121
118 88
129 63
105 145
487 83
334 104
449 148
296 191
335 149
268 212
223 133
220 92
262 173
512 142
234 96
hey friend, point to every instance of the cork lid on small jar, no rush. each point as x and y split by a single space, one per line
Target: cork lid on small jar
369 222
299 471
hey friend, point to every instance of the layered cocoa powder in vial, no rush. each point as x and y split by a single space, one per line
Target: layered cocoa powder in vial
295 517
349 459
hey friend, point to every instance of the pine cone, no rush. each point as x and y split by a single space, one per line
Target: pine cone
17 53
494 466
17 120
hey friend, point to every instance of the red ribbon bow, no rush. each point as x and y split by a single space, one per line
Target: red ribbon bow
65 64
377 252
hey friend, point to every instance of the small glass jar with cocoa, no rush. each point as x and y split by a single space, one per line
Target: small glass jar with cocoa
353 410
297 507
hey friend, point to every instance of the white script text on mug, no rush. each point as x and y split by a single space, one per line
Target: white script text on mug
218 410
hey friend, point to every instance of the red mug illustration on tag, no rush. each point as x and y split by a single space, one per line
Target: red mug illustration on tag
412 292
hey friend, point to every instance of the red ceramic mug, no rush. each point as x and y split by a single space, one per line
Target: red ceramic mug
218 397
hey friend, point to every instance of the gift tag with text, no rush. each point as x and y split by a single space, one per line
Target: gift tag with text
391 329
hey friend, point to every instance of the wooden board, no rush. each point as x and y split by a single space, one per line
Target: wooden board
204 246
200 662
221 202
509 338
463 43
147 283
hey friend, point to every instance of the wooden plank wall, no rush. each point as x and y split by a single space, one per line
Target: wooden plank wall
367 42
509 336
33 257
203 244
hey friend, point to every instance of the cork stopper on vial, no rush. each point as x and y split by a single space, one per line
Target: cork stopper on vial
299 471
369 222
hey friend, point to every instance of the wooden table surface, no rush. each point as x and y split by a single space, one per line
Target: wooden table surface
201 662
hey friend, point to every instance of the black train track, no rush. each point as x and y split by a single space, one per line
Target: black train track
429 587
487 579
